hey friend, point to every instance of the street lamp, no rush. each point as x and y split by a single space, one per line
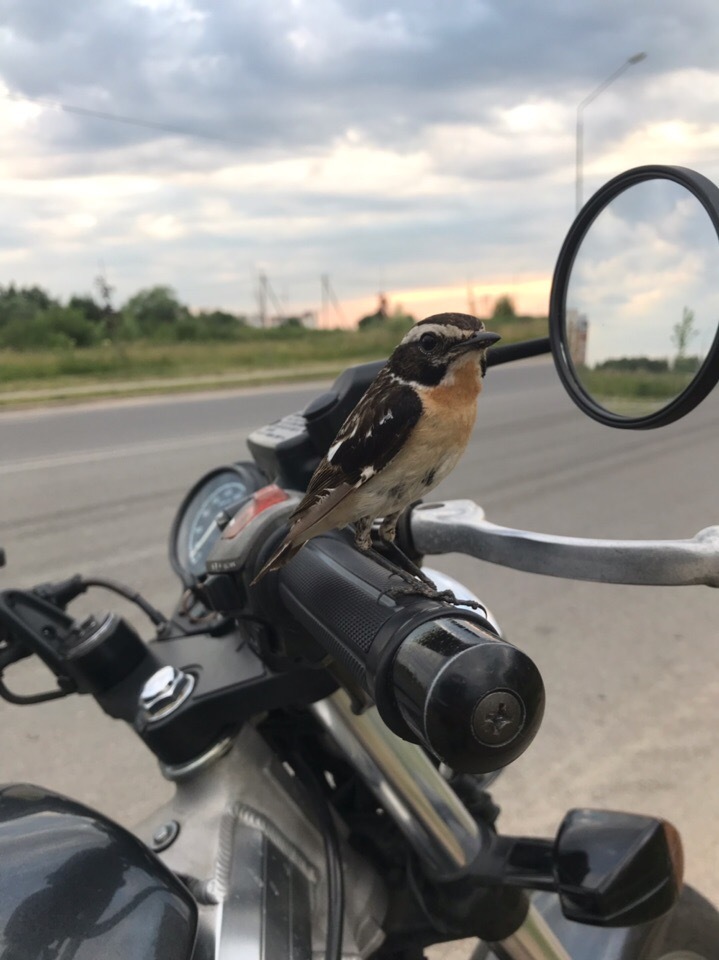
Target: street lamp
637 58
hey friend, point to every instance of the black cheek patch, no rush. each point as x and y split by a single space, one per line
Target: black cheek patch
411 365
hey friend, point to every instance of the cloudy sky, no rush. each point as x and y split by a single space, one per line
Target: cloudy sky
410 146
650 257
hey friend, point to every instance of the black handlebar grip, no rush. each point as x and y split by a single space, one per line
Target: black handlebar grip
439 675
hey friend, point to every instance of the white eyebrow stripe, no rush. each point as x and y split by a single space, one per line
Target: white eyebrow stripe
441 329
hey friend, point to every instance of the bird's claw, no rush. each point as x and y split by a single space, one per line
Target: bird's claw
428 590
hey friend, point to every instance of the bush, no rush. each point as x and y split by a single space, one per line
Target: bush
34 332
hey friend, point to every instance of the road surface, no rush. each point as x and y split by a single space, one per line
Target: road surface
632 674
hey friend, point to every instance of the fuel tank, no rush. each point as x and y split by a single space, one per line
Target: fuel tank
76 886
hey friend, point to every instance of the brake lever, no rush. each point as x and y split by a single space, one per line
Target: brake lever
459 526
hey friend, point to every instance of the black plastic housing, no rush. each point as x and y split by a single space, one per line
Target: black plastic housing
232 684
617 869
288 450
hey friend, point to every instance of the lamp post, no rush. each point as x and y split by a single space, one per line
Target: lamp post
636 58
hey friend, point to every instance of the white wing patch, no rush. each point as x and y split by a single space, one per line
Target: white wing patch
345 435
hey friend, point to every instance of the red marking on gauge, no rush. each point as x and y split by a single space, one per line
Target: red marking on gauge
261 501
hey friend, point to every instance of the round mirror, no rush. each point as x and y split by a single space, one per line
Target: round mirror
634 313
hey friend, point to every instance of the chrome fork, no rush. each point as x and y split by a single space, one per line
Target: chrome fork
434 821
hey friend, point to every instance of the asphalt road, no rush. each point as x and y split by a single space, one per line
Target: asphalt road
632 674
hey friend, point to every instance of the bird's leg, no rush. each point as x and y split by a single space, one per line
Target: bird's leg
363 534
418 583
388 528
386 535
363 540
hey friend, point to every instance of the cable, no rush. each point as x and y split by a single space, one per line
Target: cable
335 880
31 698
119 118
159 619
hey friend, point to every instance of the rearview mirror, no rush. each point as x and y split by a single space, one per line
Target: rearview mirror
634 308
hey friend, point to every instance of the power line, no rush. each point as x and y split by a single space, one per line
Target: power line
120 118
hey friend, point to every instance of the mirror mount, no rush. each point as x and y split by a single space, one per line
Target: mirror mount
706 376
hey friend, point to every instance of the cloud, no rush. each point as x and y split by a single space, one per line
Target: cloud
409 144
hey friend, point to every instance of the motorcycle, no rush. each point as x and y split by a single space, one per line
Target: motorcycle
332 741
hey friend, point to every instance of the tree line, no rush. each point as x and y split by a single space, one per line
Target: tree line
32 319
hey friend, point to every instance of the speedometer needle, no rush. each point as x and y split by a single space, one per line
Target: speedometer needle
213 528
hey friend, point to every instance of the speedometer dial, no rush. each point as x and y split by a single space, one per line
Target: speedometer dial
195 530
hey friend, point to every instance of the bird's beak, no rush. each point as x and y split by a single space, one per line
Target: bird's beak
480 341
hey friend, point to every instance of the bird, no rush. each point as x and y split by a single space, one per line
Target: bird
405 435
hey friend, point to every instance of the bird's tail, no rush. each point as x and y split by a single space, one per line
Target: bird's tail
284 553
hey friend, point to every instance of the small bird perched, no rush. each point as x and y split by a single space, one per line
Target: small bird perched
404 436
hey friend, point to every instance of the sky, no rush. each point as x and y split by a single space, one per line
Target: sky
648 260
425 149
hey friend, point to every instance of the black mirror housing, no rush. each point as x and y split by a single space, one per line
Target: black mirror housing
573 328
616 869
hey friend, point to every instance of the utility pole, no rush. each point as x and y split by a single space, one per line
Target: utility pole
105 292
329 297
262 298
471 301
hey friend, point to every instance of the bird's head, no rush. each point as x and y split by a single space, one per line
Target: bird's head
437 346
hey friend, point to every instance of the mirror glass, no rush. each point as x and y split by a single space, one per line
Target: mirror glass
642 302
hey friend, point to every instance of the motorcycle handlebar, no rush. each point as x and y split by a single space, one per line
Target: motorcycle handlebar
440 676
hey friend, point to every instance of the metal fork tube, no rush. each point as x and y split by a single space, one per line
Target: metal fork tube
408 786
535 940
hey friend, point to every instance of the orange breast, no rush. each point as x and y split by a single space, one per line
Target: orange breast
451 409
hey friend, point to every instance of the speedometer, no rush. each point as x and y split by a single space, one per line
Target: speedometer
194 530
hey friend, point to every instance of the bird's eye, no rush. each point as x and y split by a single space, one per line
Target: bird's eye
428 341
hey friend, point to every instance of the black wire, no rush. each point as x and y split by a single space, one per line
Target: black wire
159 619
435 922
31 698
120 118
335 880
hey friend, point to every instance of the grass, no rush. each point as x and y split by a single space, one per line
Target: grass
633 393
259 356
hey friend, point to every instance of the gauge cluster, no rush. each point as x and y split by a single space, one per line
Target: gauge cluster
219 493
287 451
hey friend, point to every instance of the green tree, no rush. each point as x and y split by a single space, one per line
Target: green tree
379 317
683 332
157 313
504 308
219 325
88 308
73 326
22 303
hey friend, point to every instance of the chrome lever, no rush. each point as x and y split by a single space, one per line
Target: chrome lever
459 526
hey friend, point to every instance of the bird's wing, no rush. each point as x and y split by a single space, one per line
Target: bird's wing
371 436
